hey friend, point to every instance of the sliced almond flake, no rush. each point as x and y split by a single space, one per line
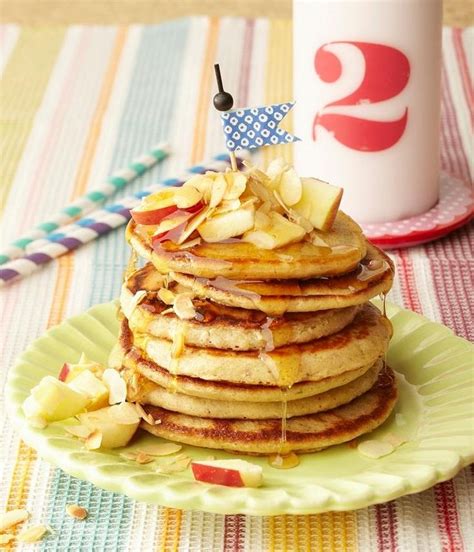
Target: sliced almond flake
76 511
167 296
33 534
167 311
80 431
276 168
236 184
375 449
144 415
160 449
174 467
128 455
143 458
226 206
194 223
290 187
183 306
12 517
116 386
394 440
256 173
187 196
318 241
218 190
94 440
203 183
262 220
190 243
129 301
248 202
124 413
168 224
37 422
6 538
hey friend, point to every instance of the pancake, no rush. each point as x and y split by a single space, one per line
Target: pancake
346 246
262 437
359 344
207 408
277 297
221 327
142 374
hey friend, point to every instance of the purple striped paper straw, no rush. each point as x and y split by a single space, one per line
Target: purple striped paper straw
98 223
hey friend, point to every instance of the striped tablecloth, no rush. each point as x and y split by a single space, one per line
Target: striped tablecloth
78 102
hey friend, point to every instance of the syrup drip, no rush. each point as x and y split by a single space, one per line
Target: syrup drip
383 297
177 349
132 265
371 270
283 460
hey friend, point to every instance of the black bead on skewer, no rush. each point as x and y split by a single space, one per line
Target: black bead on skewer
223 101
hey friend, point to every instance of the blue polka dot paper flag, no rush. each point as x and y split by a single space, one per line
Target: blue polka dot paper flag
254 127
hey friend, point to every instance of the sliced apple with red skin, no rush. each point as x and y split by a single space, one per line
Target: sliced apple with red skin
230 473
319 203
155 207
173 228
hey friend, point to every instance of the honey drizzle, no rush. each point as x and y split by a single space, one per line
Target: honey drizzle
132 264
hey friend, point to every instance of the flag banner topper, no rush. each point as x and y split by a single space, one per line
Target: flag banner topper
253 127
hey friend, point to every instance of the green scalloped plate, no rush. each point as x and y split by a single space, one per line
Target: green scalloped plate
434 413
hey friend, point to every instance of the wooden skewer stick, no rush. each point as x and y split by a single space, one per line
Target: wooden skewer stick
223 101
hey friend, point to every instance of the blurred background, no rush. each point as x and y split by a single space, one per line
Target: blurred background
456 12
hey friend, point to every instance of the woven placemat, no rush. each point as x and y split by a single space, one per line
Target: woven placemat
78 102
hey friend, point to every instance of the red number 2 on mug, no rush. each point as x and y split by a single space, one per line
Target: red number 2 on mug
386 74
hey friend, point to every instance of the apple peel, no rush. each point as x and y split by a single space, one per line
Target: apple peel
230 473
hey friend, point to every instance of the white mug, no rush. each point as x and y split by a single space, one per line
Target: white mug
367 91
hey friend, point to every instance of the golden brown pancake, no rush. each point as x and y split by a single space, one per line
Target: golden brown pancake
358 344
346 246
373 276
207 408
303 434
142 374
222 327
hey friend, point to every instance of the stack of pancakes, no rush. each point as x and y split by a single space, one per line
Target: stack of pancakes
264 351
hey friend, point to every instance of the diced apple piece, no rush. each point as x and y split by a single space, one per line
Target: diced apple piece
154 207
88 384
280 232
115 433
54 400
227 225
319 202
231 473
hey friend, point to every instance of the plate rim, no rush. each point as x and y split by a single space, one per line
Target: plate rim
206 501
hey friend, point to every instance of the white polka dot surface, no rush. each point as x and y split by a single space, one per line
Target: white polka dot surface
455 203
